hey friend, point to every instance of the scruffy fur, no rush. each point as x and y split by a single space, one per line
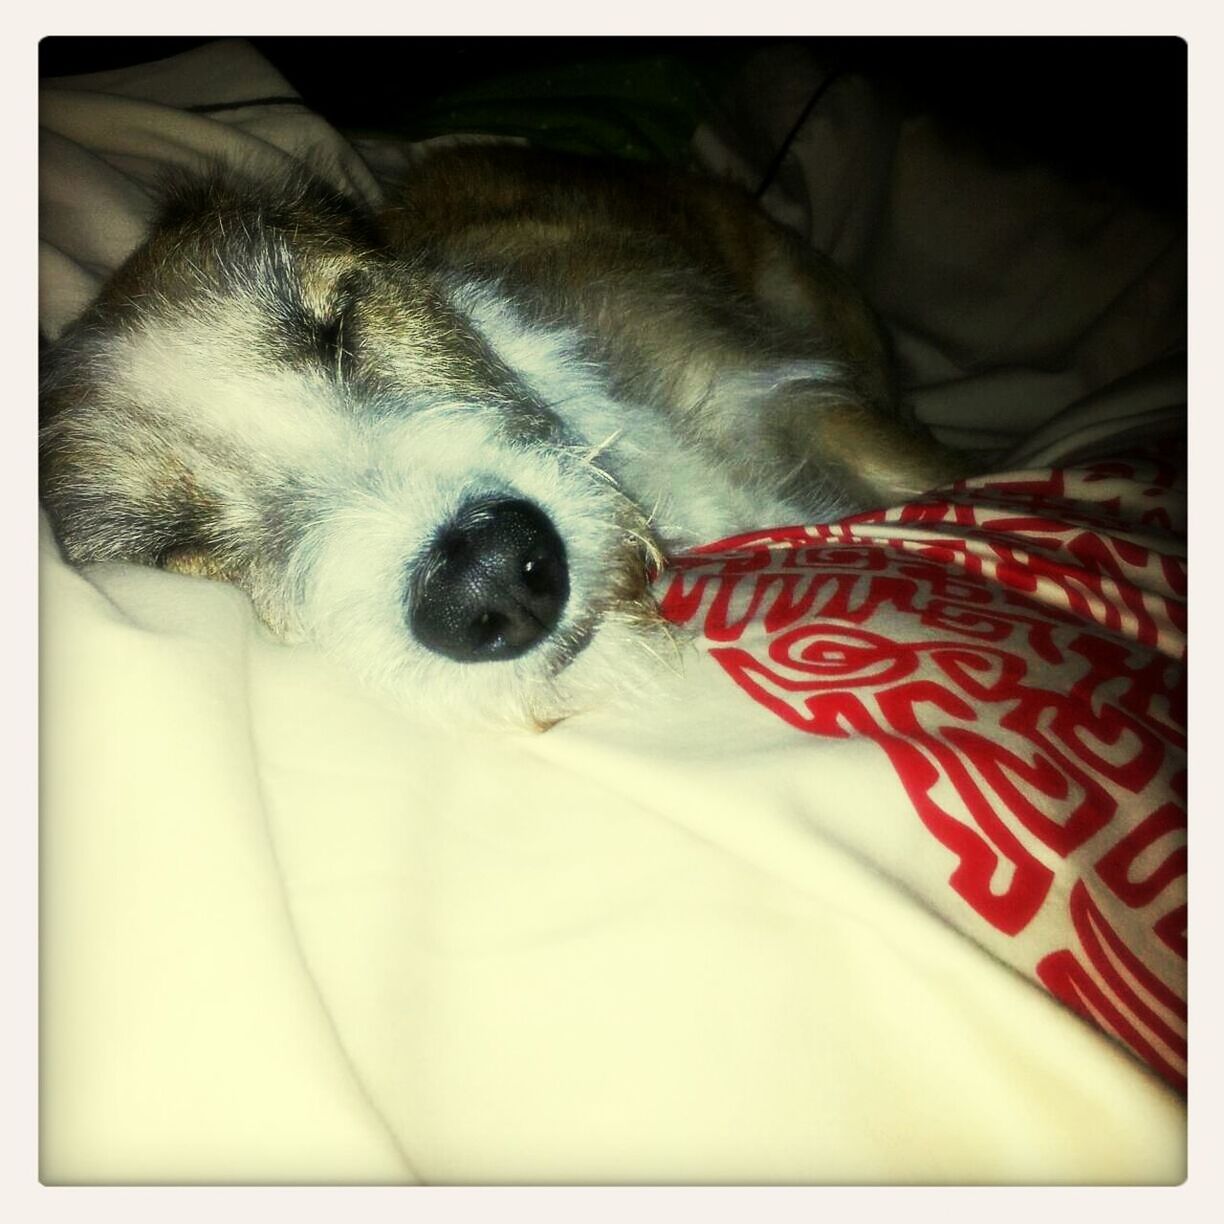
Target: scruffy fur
284 392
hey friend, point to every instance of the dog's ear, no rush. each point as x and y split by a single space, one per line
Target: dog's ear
57 388
198 561
112 486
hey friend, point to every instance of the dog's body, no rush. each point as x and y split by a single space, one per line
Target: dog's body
450 443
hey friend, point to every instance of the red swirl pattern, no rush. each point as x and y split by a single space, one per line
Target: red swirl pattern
1016 650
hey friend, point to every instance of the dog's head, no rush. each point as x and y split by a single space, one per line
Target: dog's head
266 393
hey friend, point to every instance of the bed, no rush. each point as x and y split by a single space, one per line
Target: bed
884 883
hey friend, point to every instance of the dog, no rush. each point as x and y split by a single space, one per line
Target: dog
452 442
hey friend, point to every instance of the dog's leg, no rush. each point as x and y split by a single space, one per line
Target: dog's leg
864 438
874 454
825 438
802 398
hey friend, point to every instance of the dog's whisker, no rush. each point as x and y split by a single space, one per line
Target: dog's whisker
673 664
591 455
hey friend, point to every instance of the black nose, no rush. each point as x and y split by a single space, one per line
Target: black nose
491 585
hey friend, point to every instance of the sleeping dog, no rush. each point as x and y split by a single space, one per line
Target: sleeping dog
451 443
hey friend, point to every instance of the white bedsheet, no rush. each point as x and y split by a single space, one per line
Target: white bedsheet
291 935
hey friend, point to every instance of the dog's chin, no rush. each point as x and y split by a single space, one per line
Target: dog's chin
607 656
622 660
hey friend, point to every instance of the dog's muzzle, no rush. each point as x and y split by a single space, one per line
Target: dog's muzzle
492 584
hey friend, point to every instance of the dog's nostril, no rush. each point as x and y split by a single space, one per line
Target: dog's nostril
540 574
493 583
487 628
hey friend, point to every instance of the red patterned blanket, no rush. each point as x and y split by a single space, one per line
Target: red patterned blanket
1016 650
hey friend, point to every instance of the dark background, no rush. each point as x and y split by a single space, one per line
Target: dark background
1096 108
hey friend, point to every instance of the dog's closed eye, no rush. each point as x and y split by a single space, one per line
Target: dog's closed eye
335 336
334 345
